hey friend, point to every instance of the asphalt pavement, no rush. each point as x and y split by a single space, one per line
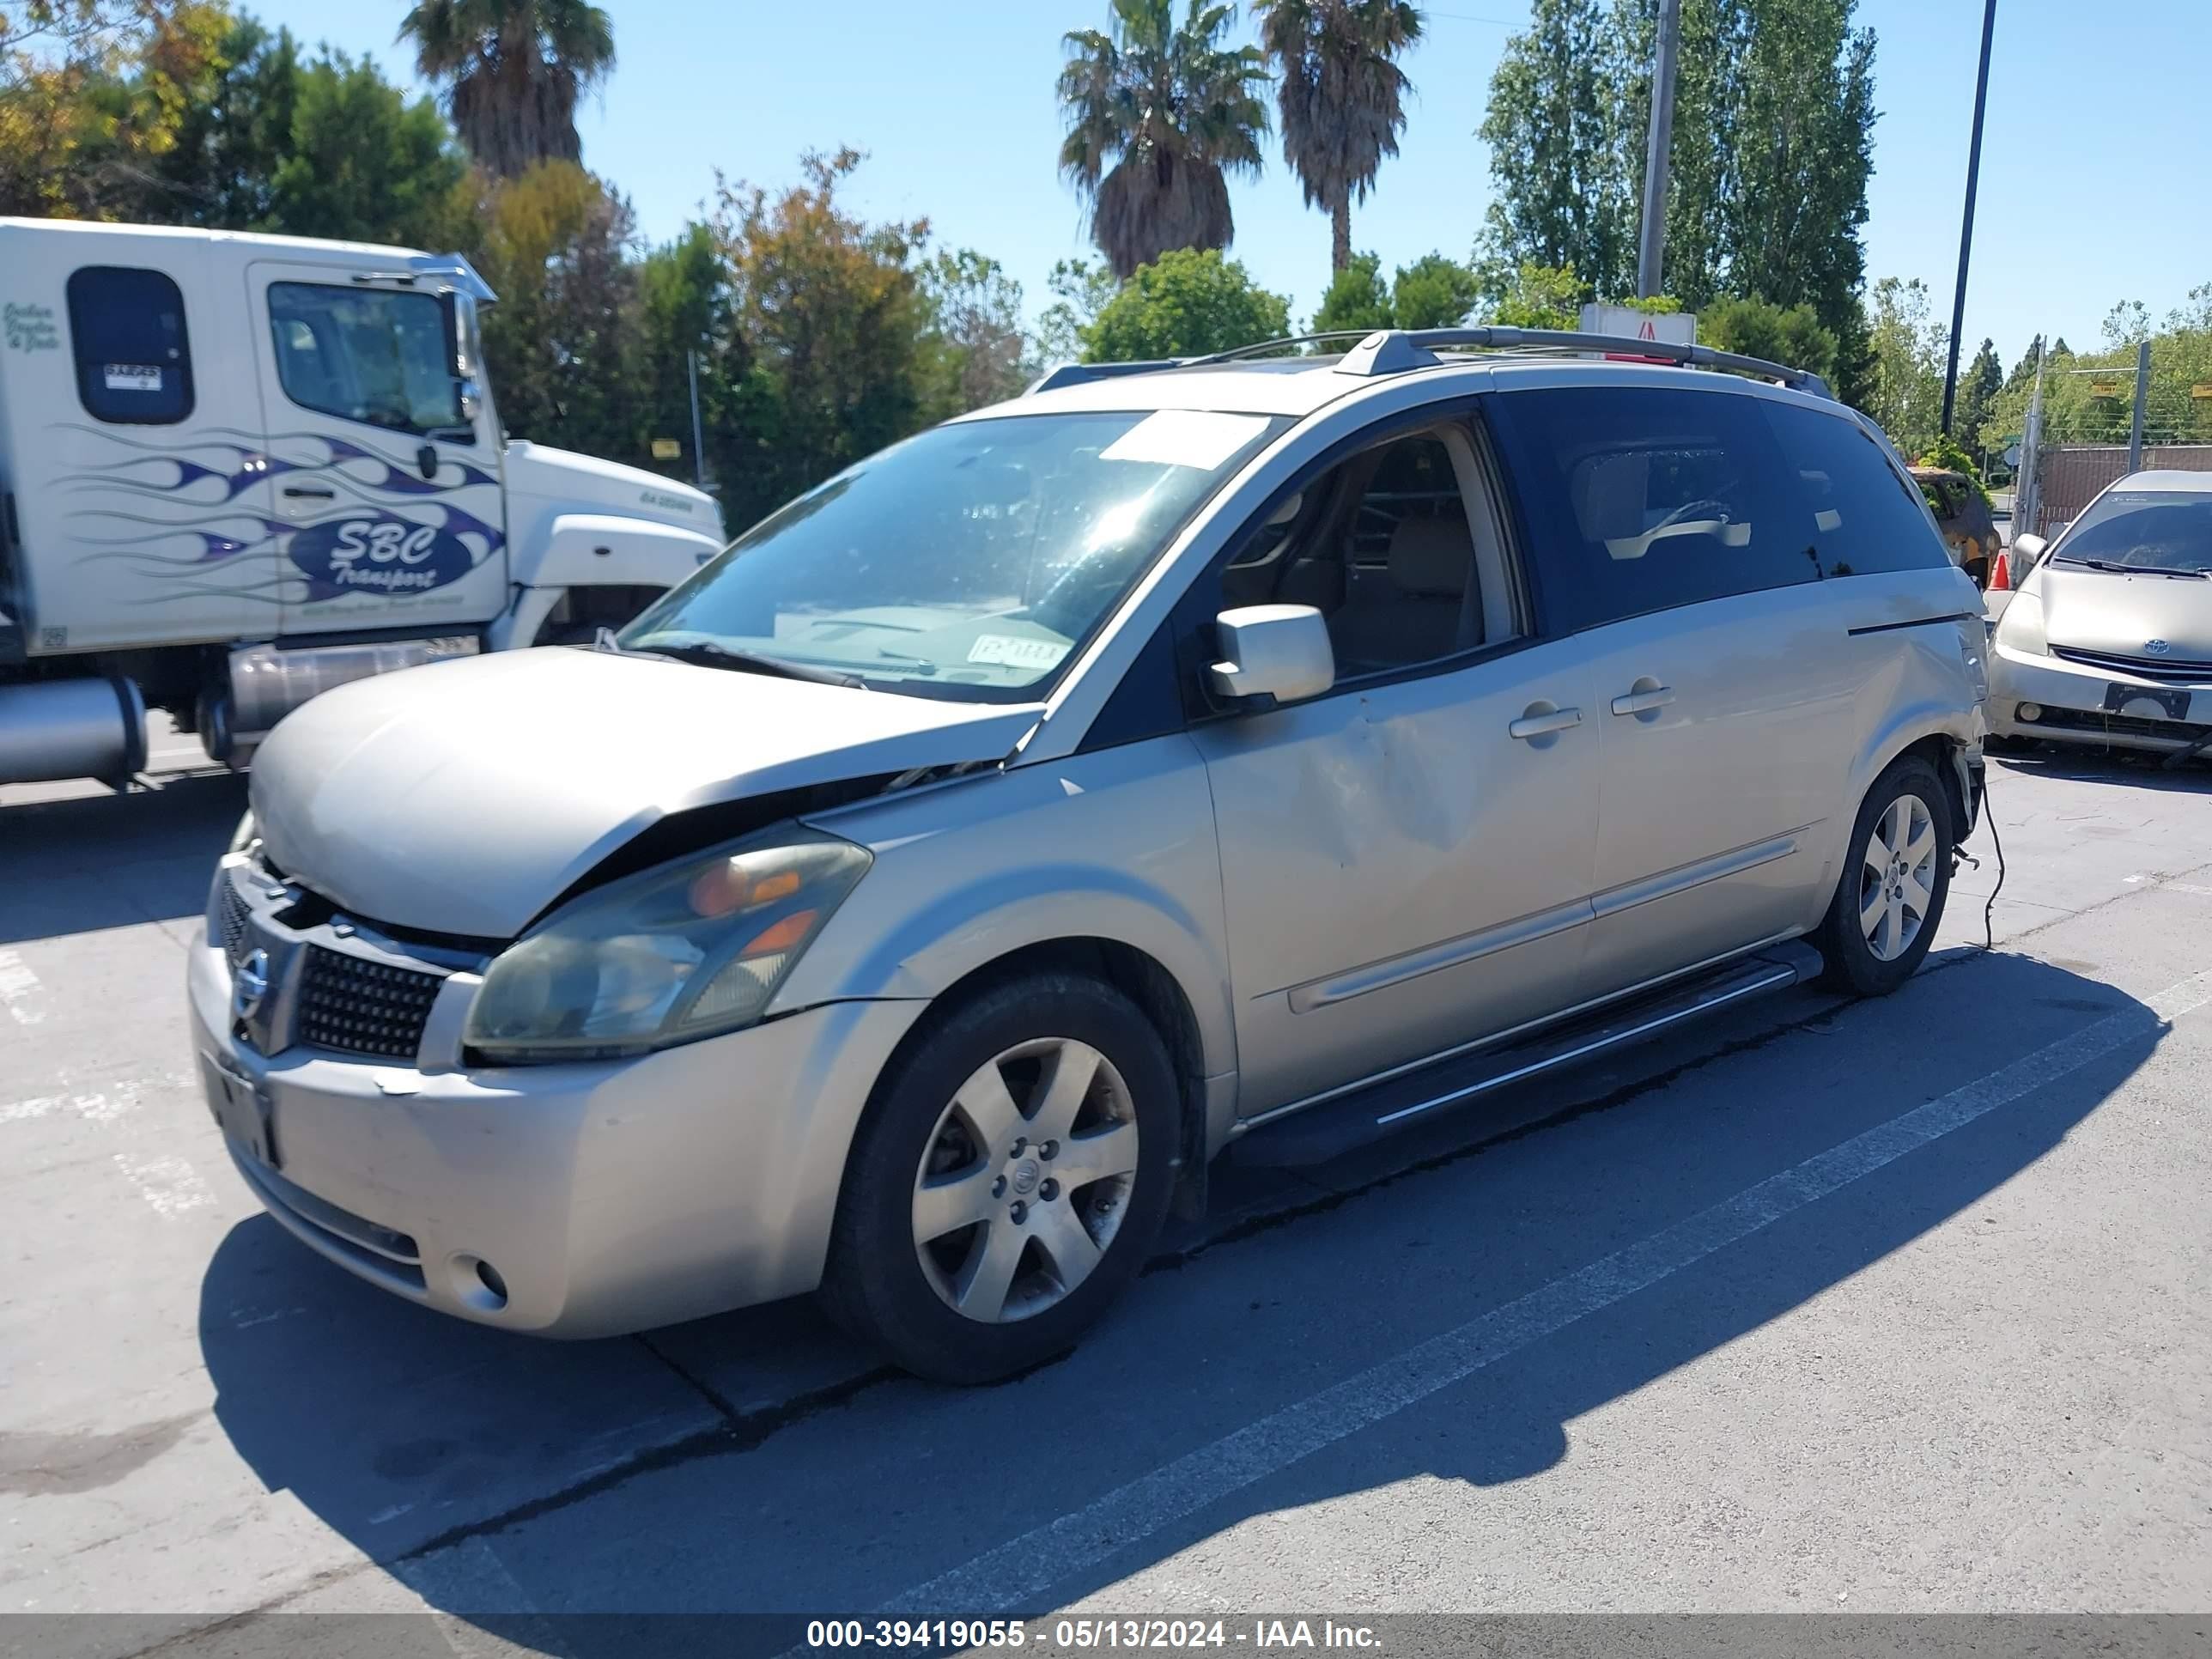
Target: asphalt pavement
1895 1306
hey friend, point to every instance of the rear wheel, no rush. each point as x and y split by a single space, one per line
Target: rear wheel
1897 873
1007 1182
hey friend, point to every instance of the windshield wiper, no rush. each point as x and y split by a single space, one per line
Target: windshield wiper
708 654
2118 568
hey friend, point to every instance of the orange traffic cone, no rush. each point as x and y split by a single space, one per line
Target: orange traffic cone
2000 573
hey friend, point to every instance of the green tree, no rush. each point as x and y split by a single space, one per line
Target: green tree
514 71
1080 291
1185 304
684 309
1433 292
1159 115
1754 328
1558 151
1909 348
364 164
233 134
92 93
1948 453
1977 387
1341 94
562 342
1356 298
1772 151
1541 296
833 331
981 352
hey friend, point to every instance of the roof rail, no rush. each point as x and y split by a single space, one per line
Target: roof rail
1261 348
1062 374
1390 351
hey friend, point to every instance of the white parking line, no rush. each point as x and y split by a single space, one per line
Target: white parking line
169 1184
2164 885
1023 1569
19 988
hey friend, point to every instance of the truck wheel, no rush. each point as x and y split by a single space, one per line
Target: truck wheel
1007 1182
1897 873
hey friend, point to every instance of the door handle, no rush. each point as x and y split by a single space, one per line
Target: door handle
1638 702
317 491
1543 724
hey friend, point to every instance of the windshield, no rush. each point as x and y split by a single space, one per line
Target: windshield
968 562
2143 529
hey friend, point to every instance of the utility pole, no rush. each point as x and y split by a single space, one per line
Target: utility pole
1652 245
1967 227
2027 504
698 446
2143 396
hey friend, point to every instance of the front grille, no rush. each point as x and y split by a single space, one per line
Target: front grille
360 1008
231 912
2124 725
2169 669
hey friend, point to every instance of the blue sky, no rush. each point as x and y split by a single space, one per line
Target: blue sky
2096 120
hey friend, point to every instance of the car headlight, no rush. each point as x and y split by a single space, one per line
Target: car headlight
681 951
2020 628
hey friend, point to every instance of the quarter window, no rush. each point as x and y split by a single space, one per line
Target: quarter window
1865 517
369 355
134 362
1639 499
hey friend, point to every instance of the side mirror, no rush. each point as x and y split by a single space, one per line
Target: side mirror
468 399
2031 547
1279 651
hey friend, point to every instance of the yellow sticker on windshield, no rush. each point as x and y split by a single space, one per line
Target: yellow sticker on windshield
1201 438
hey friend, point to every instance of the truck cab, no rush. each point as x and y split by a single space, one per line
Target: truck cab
236 469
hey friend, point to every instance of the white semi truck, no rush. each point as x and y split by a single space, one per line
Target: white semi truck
237 470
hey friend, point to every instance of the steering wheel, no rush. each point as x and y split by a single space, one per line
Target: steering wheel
1708 508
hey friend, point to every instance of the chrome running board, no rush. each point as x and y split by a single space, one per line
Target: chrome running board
1321 1132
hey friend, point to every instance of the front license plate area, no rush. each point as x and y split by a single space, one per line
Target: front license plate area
242 1110
2171 702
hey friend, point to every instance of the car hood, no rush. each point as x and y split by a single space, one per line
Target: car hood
2119 615
465 796
570 482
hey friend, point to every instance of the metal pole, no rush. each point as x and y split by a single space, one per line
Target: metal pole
1967 227
698 449
2143 396
1652 245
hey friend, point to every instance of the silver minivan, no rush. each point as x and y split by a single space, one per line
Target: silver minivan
911 904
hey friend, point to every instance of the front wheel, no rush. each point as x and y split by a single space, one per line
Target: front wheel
1007 1182
1897 873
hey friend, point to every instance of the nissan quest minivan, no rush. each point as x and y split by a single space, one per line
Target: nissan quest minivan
908 906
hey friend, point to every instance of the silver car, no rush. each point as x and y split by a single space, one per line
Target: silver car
913 902
2107 640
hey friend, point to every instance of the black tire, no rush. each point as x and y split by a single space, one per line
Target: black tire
875 1285
1853 965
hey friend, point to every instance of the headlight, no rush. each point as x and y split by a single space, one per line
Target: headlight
685 950
2020 628
243 838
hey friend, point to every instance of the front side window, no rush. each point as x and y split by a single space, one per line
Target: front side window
134 361
1641 498
2162 530
368 355
969 562
1865 518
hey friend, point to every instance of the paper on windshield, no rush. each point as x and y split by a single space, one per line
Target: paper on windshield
1016 651
1201 438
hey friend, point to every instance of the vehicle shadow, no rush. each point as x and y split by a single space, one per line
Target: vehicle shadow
92 862
622 1479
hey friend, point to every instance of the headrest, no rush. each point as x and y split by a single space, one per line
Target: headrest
1431 556
1609 493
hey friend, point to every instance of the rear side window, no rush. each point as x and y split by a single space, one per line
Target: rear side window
1865 518
134 363
1639 499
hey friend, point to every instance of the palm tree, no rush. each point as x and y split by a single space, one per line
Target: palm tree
514 71
1341 93
1159 114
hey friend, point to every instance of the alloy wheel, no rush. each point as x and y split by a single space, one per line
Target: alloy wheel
1897 878
1026 1180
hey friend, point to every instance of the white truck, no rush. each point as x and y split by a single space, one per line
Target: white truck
236 469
